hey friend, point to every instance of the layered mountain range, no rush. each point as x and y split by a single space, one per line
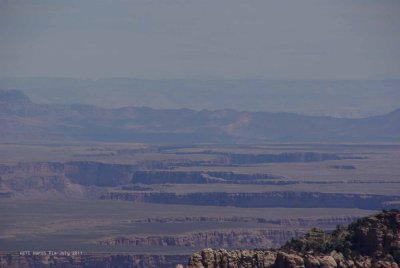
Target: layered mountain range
24 121
338 98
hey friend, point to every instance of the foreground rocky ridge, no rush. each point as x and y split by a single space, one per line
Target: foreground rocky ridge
369 242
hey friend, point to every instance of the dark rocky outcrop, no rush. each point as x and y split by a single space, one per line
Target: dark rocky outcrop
369 242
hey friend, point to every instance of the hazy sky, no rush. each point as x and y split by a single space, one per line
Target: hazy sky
337 39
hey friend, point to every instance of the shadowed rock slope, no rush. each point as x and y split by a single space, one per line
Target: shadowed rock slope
373 242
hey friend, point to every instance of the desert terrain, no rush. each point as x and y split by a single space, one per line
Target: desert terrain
154 186
174 200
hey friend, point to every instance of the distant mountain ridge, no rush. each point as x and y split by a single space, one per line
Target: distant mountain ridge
337 98
25 121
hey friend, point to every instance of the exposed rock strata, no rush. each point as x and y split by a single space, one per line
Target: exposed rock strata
275 233
303 222
228 239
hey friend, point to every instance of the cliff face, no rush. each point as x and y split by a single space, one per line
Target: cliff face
72 179
369 242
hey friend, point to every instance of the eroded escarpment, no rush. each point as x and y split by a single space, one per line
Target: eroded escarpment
274 232
73 179
373 242
88 260
210 177
257 158
193 177
80 172
289 157
262 199
215 158
303 222
228 239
